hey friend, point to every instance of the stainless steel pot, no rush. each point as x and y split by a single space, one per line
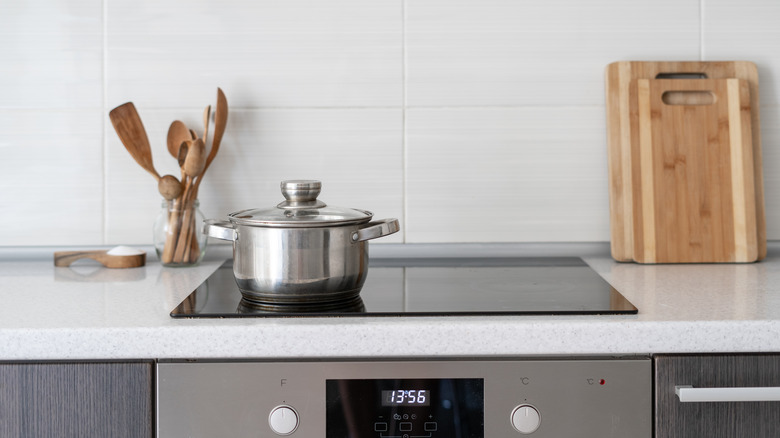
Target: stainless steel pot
301 251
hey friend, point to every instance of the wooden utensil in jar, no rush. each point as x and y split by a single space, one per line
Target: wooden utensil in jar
128 126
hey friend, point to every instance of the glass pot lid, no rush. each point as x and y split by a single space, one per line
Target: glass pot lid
301 208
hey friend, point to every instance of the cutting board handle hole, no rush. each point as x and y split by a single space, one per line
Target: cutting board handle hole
693 97
681 76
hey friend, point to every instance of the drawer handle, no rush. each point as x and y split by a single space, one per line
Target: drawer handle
689 394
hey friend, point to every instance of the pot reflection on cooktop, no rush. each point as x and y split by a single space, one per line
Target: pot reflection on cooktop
435 287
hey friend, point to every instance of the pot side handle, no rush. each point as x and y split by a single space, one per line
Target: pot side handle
375 229
219 229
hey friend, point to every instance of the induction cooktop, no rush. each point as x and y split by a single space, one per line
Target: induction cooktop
435 287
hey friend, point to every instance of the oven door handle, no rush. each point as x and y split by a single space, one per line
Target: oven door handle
689 394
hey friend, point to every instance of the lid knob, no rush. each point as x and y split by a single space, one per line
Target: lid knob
301 194
301 190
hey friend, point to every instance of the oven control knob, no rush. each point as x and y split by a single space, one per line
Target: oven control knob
526 419
283 420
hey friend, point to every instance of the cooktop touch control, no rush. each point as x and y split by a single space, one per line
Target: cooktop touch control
445 398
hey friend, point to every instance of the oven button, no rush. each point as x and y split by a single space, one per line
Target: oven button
526 419
283 420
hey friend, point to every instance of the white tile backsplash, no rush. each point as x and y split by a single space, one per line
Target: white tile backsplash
506 175
302 53
470 121
536 52
51 188
51 54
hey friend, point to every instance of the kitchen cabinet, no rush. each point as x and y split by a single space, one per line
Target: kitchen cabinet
717 419
76 399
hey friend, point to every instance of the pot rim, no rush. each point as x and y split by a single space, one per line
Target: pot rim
236 219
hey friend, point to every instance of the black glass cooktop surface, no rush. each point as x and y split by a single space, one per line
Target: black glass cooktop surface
436 287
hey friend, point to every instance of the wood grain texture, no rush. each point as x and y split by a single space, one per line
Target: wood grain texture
128 126
693 184
76 400
619 76
715 420
66 258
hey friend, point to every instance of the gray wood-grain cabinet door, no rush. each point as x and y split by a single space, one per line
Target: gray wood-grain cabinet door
751 419
112 399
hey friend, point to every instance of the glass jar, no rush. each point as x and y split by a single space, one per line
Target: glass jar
178 233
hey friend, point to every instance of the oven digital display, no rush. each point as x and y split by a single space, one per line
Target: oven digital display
406 397
357 408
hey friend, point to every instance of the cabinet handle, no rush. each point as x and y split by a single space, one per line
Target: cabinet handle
689 394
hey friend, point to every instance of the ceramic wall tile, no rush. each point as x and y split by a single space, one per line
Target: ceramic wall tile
301 53
51 188
505 52
356 153
506 175
51 54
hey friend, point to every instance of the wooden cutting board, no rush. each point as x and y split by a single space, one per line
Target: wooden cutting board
619 76
693 189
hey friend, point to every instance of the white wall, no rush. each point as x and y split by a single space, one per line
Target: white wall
468 120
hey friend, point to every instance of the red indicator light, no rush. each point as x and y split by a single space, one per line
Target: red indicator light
602 381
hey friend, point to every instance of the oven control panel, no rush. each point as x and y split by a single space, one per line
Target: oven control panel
502 397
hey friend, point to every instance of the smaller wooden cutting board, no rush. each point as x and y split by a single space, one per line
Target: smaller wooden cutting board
692 163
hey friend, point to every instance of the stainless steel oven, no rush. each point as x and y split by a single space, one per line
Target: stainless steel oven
469 398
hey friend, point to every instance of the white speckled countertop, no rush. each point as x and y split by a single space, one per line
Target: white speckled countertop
90 312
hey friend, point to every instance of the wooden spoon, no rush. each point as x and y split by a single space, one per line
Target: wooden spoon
131 131
169 187
220 121
184 148
177 133
194 163
206 120
195 159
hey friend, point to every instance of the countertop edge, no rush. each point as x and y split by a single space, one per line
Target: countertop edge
350 337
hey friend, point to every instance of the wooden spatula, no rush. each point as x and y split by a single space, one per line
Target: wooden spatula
131 131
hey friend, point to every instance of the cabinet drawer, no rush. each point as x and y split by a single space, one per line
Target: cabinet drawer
759 374
79 400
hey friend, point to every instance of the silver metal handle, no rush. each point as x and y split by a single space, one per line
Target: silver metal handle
218 229
689 394
376 229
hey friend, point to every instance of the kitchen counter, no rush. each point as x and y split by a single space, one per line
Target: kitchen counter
90 312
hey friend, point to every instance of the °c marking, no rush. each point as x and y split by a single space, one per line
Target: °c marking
525 380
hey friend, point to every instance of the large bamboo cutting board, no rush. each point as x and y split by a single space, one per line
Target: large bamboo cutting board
692 171
619 76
